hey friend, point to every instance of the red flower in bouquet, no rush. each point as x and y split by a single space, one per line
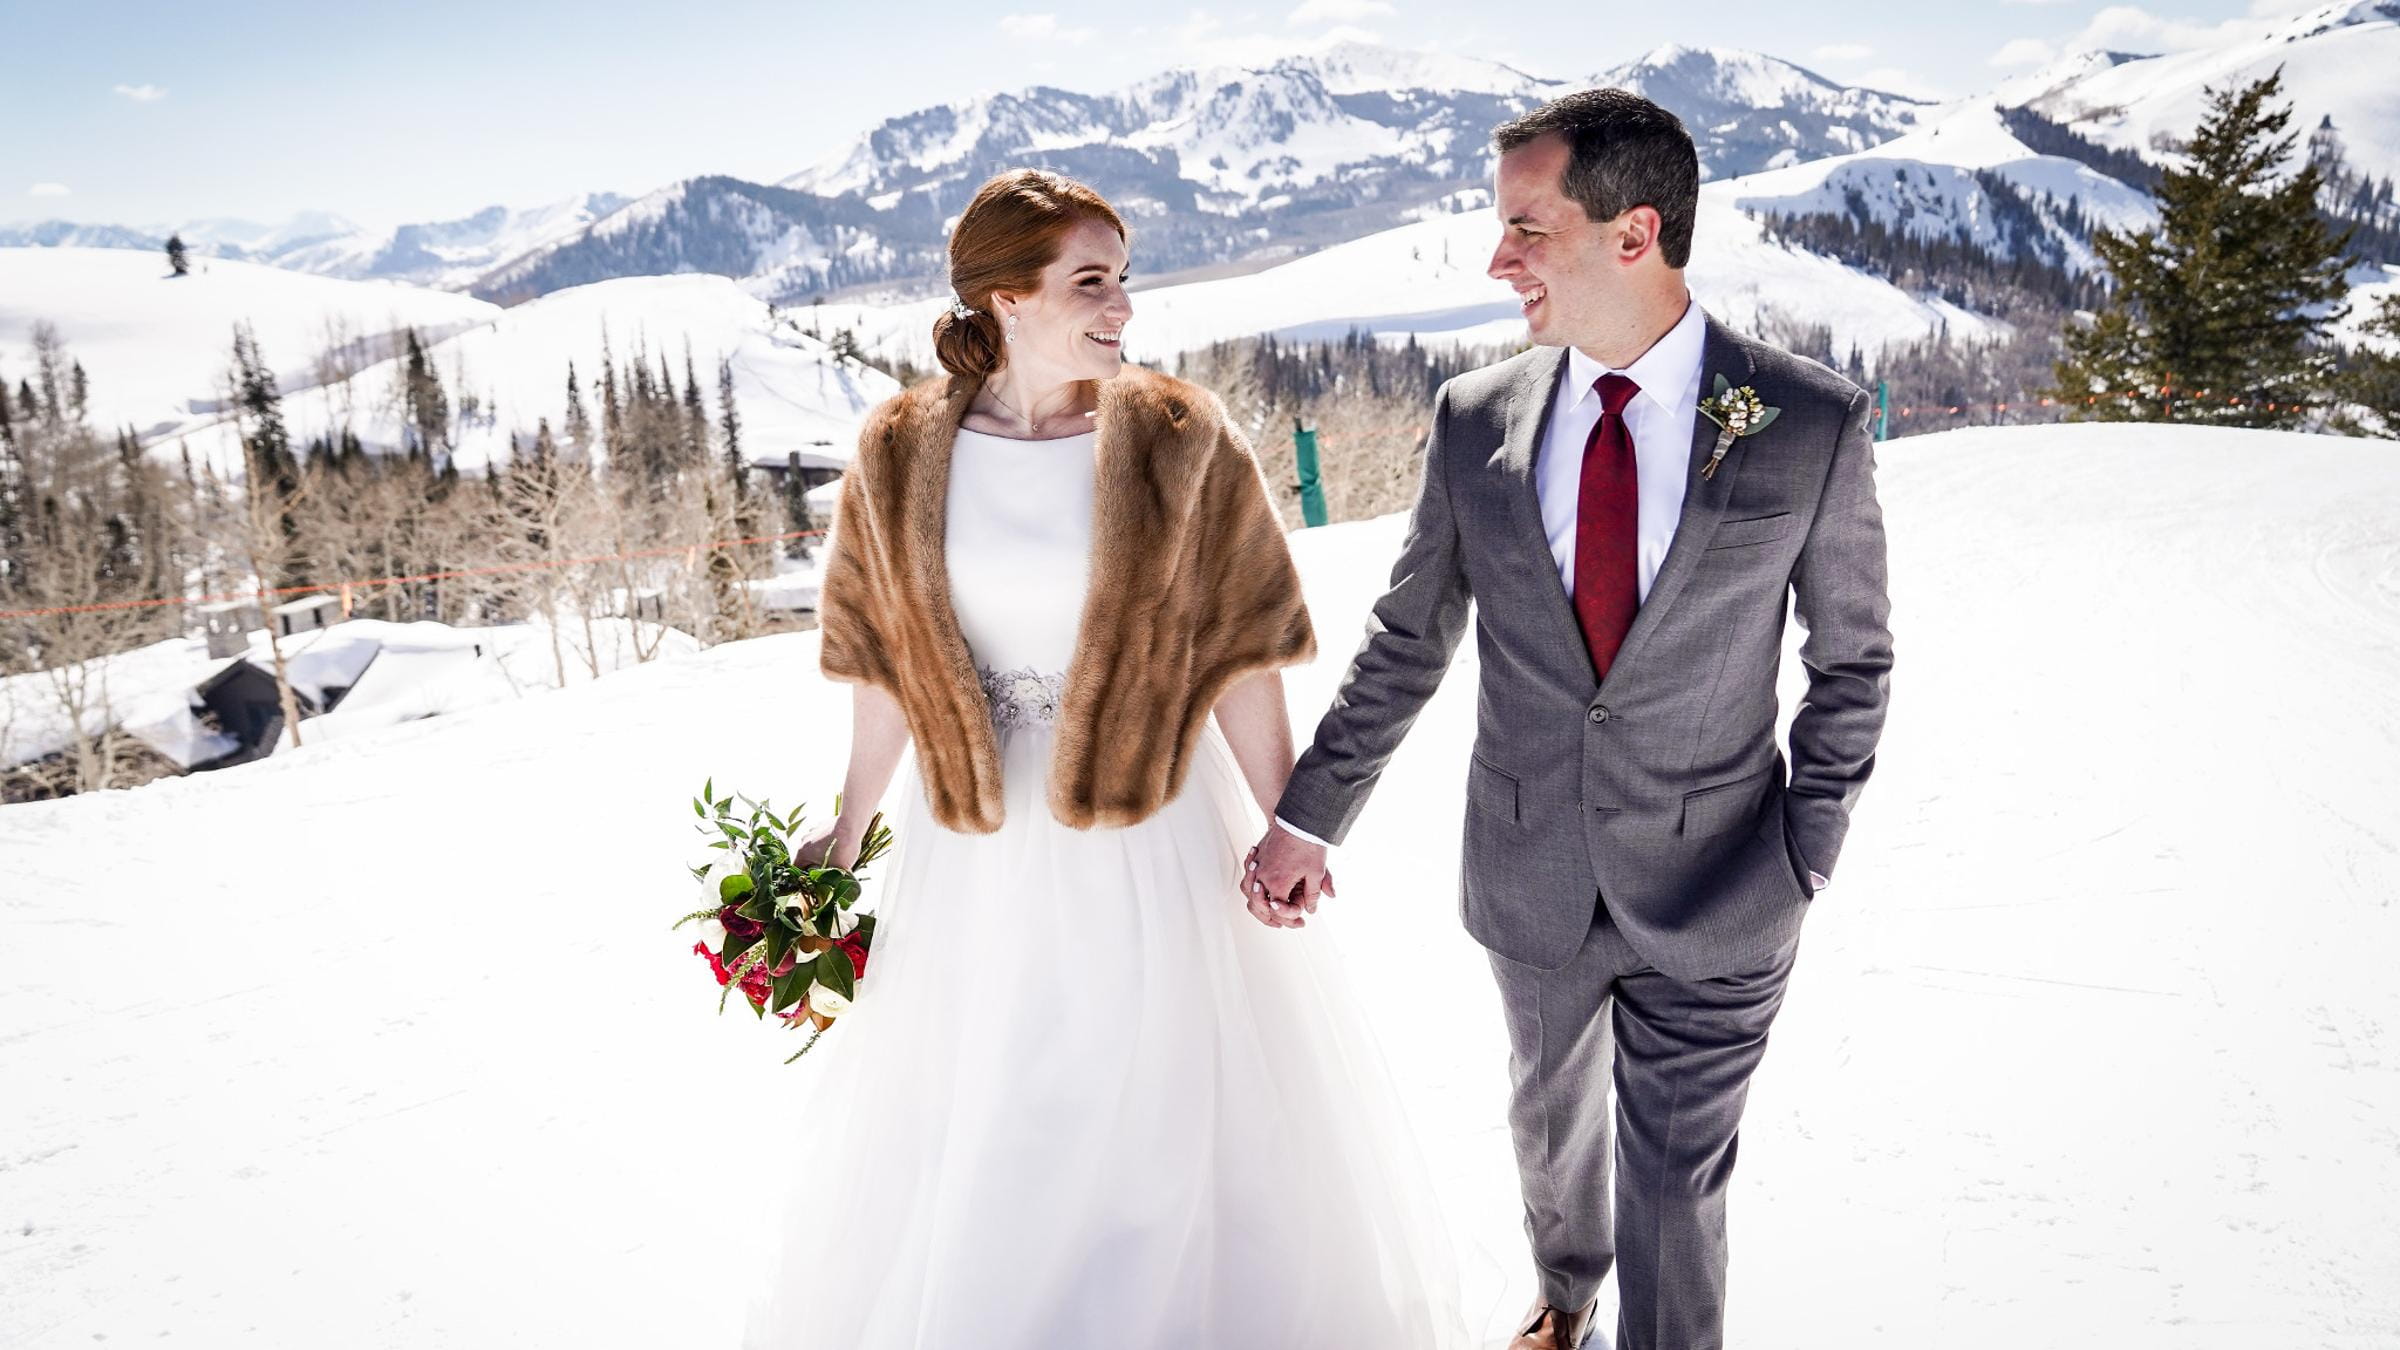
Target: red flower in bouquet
783 958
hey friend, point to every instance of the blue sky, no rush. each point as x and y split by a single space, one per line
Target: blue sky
139 112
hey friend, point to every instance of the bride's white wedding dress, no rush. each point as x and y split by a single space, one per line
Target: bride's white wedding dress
1084 1100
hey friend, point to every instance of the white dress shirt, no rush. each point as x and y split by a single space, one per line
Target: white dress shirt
1661 417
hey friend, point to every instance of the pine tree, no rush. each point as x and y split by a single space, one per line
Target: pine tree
428 407
579 422
2214 316
730 423
2374 386
178 257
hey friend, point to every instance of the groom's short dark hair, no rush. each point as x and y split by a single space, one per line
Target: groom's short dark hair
1623 151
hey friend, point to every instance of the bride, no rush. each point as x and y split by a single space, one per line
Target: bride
1082 1101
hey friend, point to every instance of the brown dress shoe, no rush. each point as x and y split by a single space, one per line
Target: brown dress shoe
1548 1328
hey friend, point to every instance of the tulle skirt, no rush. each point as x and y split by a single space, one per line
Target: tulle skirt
1085 1100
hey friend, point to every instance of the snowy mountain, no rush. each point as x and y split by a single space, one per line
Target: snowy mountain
1214 165
2337 62
1964 177
2069 1058
1748 111
447 254
450 254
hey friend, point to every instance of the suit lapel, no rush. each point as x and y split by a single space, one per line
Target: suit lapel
1528 420
1703 498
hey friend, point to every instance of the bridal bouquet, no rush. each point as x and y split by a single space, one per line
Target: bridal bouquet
782 932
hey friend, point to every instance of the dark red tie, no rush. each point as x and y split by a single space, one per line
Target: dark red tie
1608 527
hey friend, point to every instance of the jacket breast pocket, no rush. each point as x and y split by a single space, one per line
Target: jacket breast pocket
1755 530
1714 810
1491 790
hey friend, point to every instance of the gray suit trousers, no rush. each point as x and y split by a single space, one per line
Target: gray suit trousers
1679 1054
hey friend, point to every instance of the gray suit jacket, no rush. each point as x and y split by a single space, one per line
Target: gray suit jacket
1660 791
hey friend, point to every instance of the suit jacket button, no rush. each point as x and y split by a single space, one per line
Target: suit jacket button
1599 712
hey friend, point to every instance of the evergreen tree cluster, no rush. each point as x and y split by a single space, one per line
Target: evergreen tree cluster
2218 313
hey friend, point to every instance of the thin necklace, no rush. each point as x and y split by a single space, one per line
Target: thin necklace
1032 427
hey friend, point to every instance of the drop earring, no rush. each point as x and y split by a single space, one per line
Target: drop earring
1011 332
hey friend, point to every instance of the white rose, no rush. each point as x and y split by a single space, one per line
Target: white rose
712 933
825 1001
726 866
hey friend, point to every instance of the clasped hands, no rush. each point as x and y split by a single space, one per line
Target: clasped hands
1282 877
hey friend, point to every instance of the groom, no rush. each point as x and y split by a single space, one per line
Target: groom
1635 858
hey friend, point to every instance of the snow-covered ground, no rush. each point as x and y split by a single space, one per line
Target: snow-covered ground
793 393
154 344
395 672
2093 1040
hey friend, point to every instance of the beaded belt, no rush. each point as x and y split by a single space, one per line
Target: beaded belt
1024 697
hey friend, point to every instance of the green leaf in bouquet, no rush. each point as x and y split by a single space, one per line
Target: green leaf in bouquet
792 985
734 887
844 891
833 971
729 832
757 908
793 917
866 931
734 947
696 809
708 789
778 942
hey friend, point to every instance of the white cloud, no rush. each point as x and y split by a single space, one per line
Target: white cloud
1203 40
48 190
1906 83
1843 51
1041 28
1338 11
2024 52
142 93
2130 27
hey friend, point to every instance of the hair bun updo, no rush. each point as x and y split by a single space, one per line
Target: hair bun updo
1010 231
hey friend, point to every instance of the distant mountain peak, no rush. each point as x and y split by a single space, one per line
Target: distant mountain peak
2342 14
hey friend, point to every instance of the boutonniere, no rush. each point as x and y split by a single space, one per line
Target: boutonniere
1737 412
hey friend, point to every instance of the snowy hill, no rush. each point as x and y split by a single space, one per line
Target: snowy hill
1428 279
156 345
793 393
2091 1043
2337 62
